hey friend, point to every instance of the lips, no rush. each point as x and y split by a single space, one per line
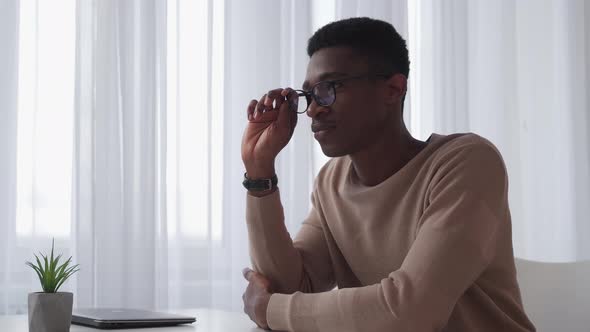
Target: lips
317 127
321 130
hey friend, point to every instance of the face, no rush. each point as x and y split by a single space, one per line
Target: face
364 109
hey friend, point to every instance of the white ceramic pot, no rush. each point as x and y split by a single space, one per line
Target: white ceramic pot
50 312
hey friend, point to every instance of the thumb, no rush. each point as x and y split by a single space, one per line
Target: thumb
248 273
293 100
287 110
257 278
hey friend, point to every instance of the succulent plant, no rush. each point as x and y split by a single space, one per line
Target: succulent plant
51 274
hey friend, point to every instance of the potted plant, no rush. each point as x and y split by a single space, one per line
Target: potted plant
50 310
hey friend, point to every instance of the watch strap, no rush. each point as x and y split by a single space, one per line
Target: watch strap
260 184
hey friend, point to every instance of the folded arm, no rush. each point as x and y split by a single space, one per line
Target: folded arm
302 264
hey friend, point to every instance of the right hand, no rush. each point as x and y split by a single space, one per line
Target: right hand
271 123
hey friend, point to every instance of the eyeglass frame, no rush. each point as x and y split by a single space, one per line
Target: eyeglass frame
333 85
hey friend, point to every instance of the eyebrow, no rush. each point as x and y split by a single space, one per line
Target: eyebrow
323 77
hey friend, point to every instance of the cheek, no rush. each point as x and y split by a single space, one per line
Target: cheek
362 124
357 111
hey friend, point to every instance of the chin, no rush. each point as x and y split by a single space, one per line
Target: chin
333 152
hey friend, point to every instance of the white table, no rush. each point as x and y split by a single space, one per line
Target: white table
208 320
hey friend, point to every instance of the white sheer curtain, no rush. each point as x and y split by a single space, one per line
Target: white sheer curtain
162 87
127 144
119 229
8 122
36 97
516 72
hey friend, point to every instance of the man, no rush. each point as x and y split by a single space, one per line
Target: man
415 235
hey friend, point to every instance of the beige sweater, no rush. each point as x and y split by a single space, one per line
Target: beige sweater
428 249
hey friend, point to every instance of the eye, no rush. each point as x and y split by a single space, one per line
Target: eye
324 92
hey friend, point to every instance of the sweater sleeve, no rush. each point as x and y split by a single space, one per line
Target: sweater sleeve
302 264
467 202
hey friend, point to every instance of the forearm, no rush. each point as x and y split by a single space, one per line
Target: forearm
271 248
380 307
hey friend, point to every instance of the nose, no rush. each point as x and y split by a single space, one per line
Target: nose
314 109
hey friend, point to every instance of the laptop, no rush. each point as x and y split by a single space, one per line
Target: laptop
108 318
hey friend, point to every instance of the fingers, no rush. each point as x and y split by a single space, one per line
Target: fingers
258 112
257 278
274 99
287 113
247 272
260 108
251 108
267 116
267 108
292 98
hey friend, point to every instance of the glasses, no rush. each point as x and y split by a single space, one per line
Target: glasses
324 92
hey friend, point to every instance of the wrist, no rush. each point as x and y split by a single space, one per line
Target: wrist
261 186
260 173
261 193
265 303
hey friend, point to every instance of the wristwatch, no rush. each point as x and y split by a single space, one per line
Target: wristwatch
260 184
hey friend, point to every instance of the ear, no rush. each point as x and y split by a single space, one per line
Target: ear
396 87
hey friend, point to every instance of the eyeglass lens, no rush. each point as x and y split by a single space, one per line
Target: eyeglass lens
323 93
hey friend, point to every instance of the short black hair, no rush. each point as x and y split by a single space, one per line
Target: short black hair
375 39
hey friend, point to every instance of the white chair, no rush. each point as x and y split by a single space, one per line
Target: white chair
556 296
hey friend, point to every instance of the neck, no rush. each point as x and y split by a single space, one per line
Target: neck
384 158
